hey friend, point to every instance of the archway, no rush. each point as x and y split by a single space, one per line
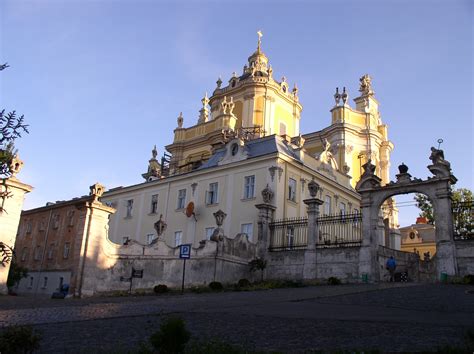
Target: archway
438 190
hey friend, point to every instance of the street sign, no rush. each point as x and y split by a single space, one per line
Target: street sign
137 273
185 251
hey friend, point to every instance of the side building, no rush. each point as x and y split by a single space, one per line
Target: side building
52 242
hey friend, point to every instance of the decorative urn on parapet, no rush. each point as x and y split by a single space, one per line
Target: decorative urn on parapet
403 176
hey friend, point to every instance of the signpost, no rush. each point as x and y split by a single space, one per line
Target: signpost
136 273
184 253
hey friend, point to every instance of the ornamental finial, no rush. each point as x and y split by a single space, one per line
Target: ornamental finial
260 35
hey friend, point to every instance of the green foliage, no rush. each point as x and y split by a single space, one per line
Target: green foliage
16 273
171 337
424 204
216 286
243 283
19 339
334 281
160 289
469 279
258 264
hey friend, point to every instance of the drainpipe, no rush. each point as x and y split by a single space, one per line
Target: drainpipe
44 249
82 258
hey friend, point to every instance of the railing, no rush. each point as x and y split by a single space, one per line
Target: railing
463 220
289 234
250 133
334 231
344 230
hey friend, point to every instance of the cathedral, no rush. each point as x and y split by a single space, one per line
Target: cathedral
218 162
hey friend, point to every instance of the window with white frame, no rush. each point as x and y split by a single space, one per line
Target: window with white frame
249 187
70 218
129 208
45 282
154 204
29 226
292 189
150 238
327 205
342 208
209 232
181 199
290 236
67 247
247 229
211 197
55 221
178 238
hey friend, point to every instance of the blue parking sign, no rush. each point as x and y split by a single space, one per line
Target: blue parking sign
185 251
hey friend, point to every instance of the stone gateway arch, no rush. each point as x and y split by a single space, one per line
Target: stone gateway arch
436 188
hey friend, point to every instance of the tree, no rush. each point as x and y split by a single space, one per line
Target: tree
11 128
16 273
461 195
258 264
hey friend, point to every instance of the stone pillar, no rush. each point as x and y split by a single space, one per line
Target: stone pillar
265 217
445 248
11 204
368 269
309 267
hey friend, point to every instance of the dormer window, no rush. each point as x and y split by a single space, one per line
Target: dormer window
234 149
232 84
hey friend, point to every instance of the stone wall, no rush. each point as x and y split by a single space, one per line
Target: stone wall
330 262
9 219
225 261
465 257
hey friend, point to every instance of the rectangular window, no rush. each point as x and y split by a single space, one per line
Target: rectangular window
282 128
45 282
51 251
209 232
342 208
61 282
150 238
29 226
249 187
129 206
42 225
247 229
212 194
70 218
67 247
178 238
327 205
154 204
31 282
55 221
37 253
292 189
181 199
24 254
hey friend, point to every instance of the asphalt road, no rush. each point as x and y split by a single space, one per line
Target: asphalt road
386 317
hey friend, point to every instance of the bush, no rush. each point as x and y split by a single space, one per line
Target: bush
469 279
243 283
19 339
334 281
216 286
213 346
160 289
172 336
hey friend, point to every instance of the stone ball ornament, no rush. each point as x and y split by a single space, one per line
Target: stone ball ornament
403 168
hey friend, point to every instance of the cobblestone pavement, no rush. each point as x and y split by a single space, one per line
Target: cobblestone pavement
386 317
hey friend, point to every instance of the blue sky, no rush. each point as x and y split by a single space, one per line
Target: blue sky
101 82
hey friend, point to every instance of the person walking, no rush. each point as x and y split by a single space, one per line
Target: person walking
391 266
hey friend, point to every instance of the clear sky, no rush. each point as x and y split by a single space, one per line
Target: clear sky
101 82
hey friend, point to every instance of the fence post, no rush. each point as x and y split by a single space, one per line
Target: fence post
309 267
265 217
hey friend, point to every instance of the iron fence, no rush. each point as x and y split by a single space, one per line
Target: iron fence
289 234
344 230
463 220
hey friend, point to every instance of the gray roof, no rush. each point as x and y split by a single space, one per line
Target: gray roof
255 148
